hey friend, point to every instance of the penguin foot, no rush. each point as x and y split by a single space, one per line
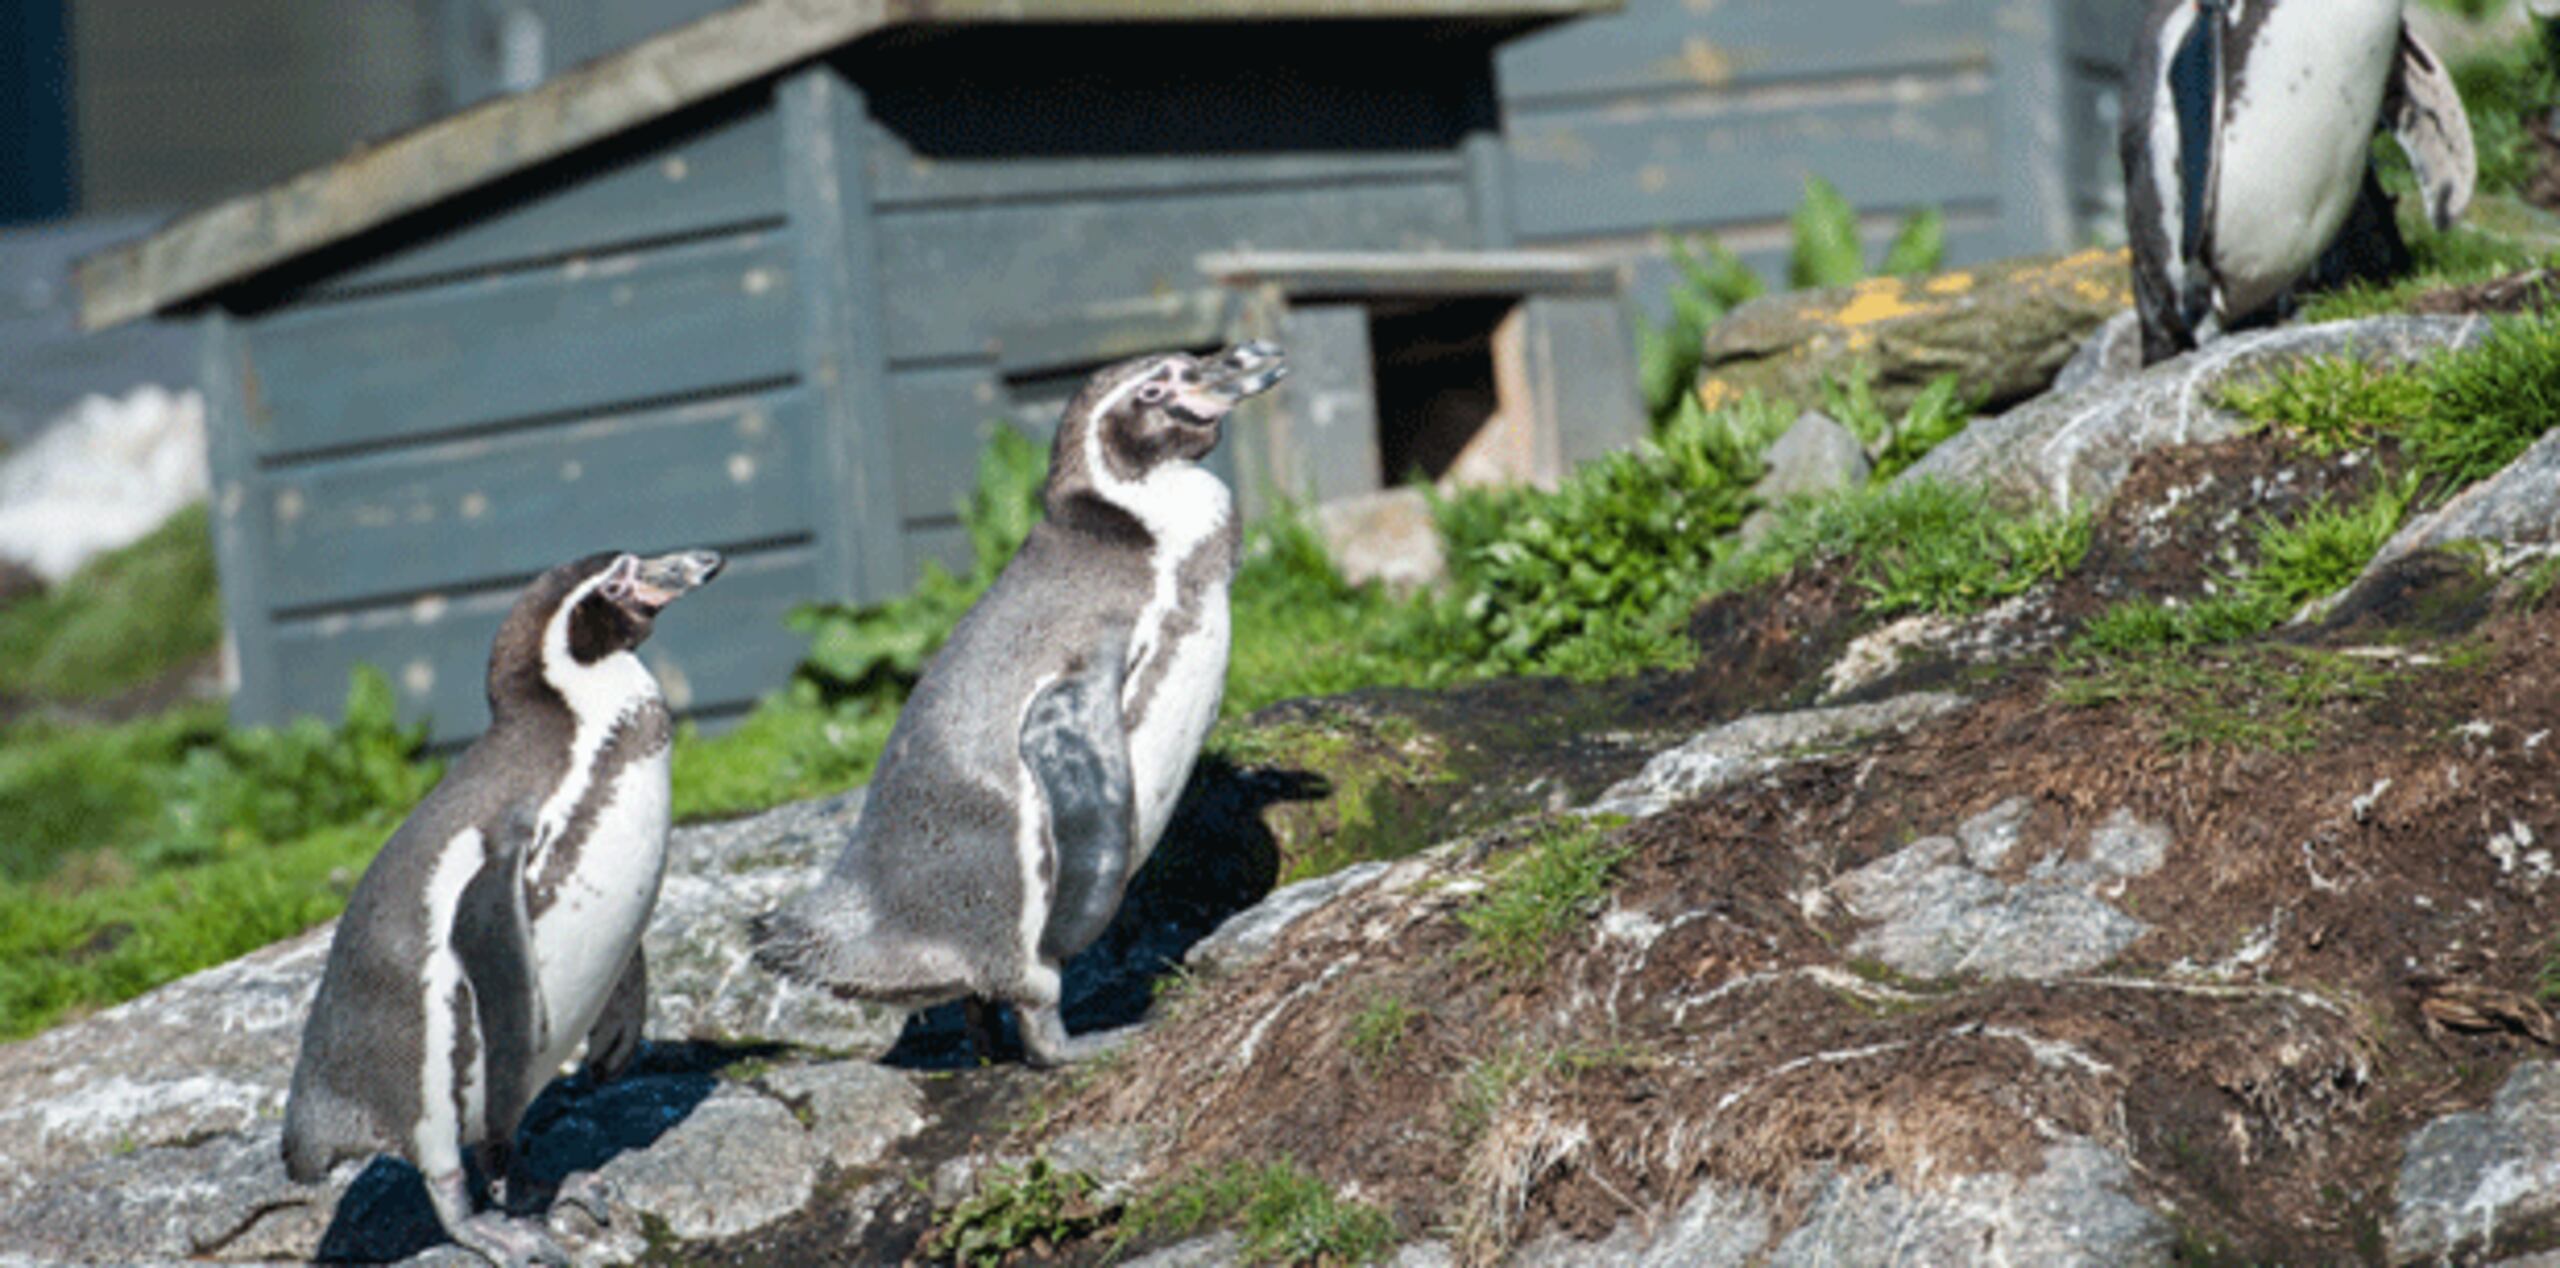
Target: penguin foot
507 1242
586 1192
1046 1042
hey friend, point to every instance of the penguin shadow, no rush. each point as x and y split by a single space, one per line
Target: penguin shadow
575 1125
1218 857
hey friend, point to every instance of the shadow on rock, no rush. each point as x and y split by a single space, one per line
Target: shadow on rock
1217 858
574 1126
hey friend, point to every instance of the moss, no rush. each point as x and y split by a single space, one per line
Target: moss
1034 1206
1378 773
1281 1213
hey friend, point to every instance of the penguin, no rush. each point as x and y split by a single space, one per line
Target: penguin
2246 148
496 936
1038 760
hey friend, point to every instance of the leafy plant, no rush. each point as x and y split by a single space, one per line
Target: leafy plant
1551 888
1622 543
254 786
1034 1206
1936 414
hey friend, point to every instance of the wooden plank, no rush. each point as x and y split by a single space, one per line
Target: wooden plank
1415 273
1489 188
901 178
1111 330
390 524
723 646
2030 122
237 238
942 417
240 547
1584 172
943 542
2101 33
842 350
593 334
952 276
709 176
1680 46
1322 435
1582 377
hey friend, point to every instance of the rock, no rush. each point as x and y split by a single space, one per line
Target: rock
2114 352
1717 1227
1937 910
2078 1210
2006 329
1388 536
2073 449
1217 1251
100 477
1250 934
702 983
151 1129
2468 1176
1816 456
2519 506
1748 746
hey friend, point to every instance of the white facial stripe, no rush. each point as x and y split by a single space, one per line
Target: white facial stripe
599 696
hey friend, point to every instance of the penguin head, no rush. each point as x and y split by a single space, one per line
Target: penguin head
1142 414
577 617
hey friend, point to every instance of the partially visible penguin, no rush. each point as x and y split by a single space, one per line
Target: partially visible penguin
2246 145
497 934
1039 758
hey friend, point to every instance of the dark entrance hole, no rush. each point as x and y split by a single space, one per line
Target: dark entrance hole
1435 383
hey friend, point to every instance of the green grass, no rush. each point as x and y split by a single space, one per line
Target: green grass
1921 547
1378 1030
1281 1213
2457 417
1550 889
65 952
127 617
2261 698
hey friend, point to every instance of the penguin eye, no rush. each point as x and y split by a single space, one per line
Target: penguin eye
616 589
1152 393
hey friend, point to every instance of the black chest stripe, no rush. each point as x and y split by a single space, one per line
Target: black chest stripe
640 734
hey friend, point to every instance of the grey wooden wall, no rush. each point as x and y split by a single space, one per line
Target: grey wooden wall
609 357
1030 227
180 102
1685 117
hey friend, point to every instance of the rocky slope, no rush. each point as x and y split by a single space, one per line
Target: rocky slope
1864 941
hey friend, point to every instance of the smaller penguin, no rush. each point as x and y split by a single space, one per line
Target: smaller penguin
496 936
1038 761
2246 149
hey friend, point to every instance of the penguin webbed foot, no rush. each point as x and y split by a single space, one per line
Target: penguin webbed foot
1046 1042
501 1239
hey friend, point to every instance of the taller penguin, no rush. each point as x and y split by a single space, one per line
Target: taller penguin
1039 758
2246 146
496 936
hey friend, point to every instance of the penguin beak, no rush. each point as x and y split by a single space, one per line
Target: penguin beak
655 583
1245 370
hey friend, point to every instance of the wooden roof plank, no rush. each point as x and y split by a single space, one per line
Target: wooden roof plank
233 240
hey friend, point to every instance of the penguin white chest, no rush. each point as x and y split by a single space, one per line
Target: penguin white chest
2295 137
593 901
1178 652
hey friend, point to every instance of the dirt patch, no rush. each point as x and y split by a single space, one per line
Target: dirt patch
2260 1052
2530 290
1767 646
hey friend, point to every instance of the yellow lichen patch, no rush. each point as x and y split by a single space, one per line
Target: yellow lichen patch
1949 284
1716 394
1878 299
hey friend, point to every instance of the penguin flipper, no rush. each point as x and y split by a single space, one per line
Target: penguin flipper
1073 743
2195 93
492 936
2426 115
614 1040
